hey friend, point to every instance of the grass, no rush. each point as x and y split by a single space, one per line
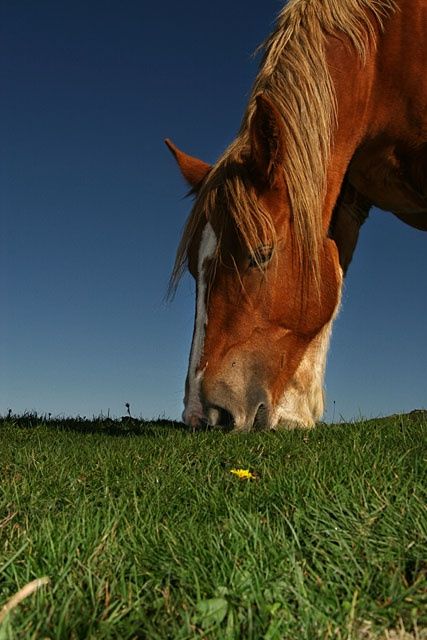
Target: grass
144 532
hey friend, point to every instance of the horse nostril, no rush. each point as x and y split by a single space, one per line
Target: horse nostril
261 417
225 418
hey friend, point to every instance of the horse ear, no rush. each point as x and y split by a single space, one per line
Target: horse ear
266 139
193 169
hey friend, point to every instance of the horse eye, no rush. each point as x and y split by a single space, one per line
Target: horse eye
261 257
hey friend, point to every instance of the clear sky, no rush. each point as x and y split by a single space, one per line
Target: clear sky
92 205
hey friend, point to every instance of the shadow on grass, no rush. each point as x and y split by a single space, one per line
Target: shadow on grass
123 427
131 427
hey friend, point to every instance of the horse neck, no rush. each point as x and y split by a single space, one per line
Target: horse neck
352 81
381 98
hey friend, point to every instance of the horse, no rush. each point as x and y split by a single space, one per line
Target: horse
336 123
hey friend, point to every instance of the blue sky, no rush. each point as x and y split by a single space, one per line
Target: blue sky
92 205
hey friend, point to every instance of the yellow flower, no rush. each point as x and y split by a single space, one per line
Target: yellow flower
245 474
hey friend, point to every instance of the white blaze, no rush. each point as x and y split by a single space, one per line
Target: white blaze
193 407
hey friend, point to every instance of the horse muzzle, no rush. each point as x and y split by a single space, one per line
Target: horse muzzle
241 412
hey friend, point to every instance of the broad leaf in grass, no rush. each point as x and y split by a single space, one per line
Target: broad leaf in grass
210 612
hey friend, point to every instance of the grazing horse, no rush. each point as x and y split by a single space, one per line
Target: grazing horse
336 123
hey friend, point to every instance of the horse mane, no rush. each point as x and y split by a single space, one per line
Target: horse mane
294 75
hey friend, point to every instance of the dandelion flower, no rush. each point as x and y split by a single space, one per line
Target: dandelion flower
244 474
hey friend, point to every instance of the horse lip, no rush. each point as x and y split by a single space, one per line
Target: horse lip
213 416
258 420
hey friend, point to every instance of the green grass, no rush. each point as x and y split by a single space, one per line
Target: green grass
145 533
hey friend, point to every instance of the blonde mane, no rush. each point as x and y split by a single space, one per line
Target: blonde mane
294 76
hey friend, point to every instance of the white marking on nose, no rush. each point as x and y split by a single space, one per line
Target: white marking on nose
193 407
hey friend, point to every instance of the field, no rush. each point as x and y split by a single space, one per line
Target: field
144 531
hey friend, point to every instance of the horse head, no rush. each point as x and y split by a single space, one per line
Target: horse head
261 309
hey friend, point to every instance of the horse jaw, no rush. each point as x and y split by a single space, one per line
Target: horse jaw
303 400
